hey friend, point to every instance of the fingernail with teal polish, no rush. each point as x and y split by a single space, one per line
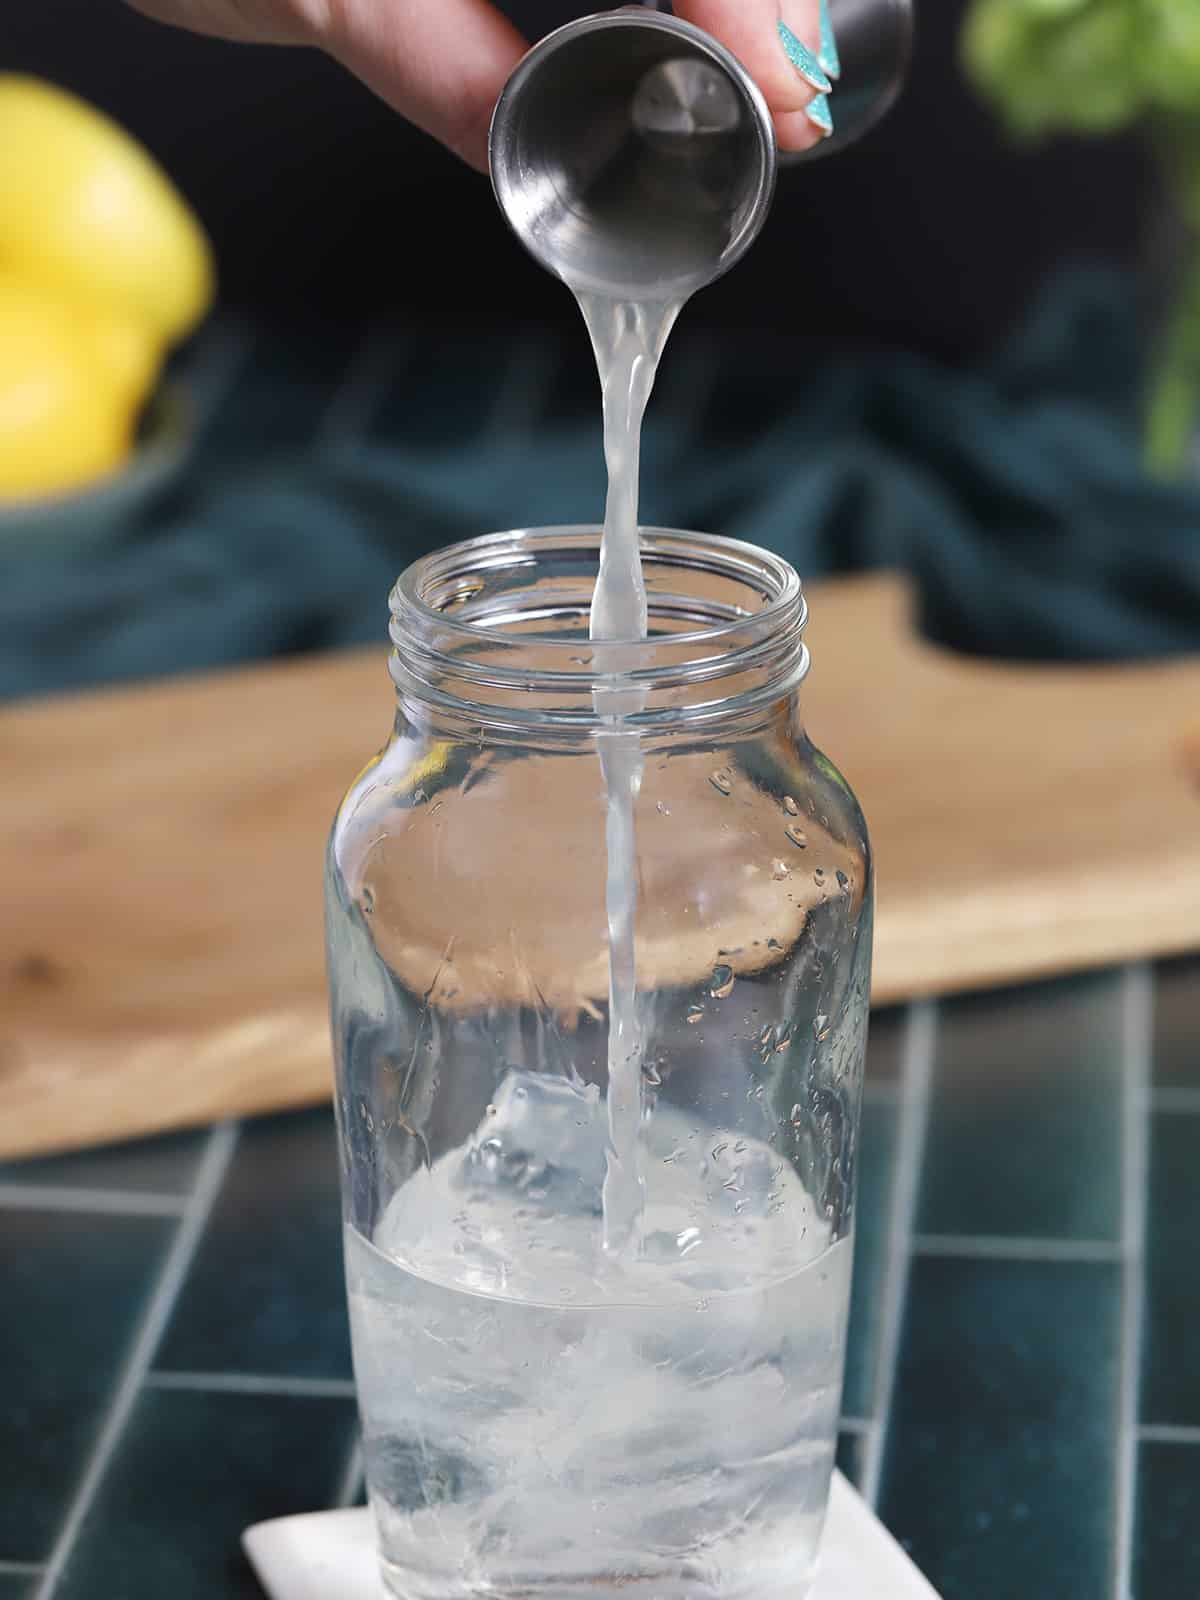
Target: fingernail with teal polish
802 58
819 114
831 62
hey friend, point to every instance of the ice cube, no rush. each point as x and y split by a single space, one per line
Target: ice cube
543 1137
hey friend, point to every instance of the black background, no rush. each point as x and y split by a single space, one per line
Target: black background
325 207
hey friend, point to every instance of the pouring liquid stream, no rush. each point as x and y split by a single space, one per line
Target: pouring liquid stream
628 340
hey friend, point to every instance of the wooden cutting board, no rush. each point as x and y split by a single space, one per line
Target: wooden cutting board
161 848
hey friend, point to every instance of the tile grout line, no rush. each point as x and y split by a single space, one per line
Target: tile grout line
858 1426
1137 1045
109 1202
152 1325
920 1043
999 1248
1167 1433
251 1383
352 1479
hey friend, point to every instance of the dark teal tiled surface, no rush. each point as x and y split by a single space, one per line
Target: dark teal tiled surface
192 1472
1168 1564
71 1290
1171 1366
1177 1025
266 1293
1025 1135
998 1462
1001 1462
154 1166
885 1048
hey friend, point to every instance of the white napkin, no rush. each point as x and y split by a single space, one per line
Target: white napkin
330 1555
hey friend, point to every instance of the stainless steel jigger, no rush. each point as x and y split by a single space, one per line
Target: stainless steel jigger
635 157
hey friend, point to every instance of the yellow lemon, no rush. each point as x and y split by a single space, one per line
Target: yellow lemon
64 420
86 210
130 355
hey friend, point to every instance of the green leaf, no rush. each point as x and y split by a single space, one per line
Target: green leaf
1061 65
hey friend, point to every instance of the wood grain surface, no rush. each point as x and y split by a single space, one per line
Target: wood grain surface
161 847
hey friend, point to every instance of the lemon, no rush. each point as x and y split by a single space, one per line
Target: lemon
85 210
65 418
130 355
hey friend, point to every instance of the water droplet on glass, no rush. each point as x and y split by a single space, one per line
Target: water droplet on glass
722 984
780 870
843 880
790 806
687 1241
695 1014
701 1305
491 1111
785 1039
722 780
663 809
774 944
739 1147
797 835
652 1075
819 876
797 1115
669 1161
720 1150
368 900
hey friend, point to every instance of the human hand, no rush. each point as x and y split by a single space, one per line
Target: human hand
443 65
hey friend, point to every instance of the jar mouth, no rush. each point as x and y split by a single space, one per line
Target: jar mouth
501 622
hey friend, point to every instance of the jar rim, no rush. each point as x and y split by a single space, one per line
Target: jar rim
500 621
737 558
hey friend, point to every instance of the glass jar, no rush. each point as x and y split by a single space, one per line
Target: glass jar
543 1413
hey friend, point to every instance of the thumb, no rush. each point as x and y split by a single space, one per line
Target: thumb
750 28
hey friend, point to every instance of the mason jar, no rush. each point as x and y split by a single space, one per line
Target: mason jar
546 1409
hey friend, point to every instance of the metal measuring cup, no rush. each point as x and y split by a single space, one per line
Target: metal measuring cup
635 157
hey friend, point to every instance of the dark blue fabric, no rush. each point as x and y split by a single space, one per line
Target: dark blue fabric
1013 495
